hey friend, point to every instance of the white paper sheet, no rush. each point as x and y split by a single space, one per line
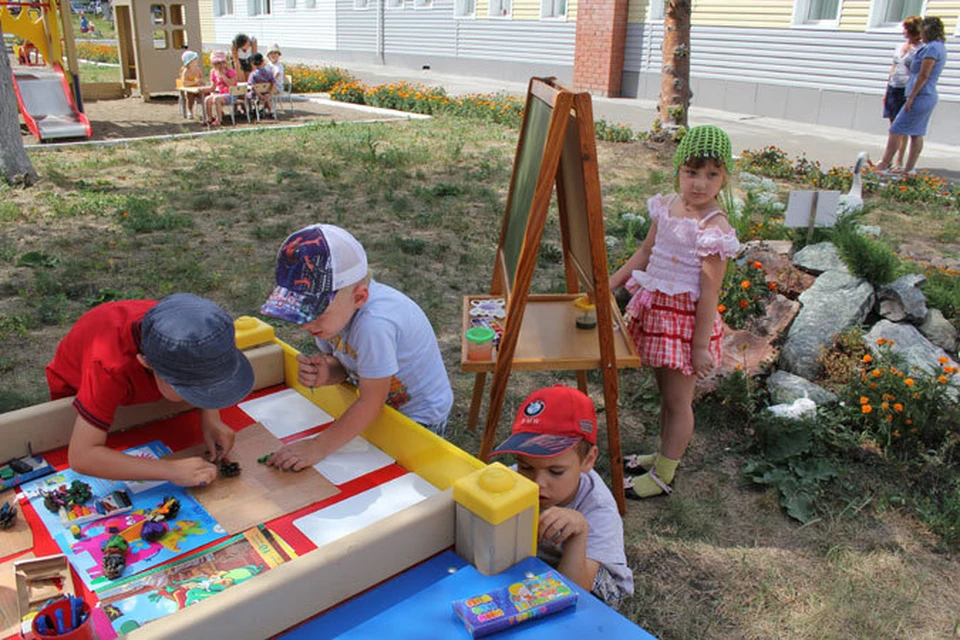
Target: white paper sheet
355 513
285 413
356 458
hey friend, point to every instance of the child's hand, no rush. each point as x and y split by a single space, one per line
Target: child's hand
191 472
218 436
314 371
701 360
298 456
557 525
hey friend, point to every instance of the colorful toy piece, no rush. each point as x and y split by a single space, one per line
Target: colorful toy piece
166 510
113 504
500 609
229 469
77 533
152 530
64 497
114 557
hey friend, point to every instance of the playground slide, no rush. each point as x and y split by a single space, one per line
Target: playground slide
47 104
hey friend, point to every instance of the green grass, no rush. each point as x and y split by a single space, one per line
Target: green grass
426 198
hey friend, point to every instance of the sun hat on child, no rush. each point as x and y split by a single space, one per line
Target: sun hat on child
312 265
705 141
274 48
218 56
191 344
188 57
551 421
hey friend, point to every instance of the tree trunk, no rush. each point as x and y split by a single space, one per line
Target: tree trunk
675 91
14 161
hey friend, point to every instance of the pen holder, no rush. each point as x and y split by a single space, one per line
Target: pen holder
586 313
83 631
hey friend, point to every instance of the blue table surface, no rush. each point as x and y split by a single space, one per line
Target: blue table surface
417 604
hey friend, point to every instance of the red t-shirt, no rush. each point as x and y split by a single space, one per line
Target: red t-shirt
97 362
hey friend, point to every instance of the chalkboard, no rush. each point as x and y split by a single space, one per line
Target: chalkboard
574 205
525 176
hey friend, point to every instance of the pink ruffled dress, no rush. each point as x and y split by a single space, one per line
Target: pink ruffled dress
661 315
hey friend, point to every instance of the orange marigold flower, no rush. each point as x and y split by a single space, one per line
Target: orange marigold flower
889 418
896 433
876 373
908 421
864 399
721 308
758 265
908 382
943 359
744 304
884 405
897 407
873 385
866 408
867 358
745 284
881 341
942 379
772 286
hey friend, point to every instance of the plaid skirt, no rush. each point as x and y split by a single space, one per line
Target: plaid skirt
663 330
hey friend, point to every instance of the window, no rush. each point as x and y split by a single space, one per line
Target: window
464 8
160 39
890 13
360 4
258 7
500 8
655 10
553 9
816 12
394 4
223 7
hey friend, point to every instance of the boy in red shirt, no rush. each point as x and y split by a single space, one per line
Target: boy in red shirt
137 351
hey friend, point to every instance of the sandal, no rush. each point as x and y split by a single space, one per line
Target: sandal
629 491
631 463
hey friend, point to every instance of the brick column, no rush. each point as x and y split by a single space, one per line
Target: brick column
600 43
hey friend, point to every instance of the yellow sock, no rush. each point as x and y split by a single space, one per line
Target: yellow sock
646 486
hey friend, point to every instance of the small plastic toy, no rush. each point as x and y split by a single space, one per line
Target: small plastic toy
16 471
114 557
113 504
8 515
75 530
263 459
166 510
64 497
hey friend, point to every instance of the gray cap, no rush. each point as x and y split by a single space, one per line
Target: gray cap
191 344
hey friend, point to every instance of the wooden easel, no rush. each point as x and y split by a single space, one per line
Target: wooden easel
556 148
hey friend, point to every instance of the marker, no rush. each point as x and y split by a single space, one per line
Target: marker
61 627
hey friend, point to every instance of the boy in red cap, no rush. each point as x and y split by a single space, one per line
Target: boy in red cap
136 351
580 532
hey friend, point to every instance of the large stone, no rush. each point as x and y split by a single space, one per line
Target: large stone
939 331
779 314
785 387
775 258
917 351
835 302
819 258
902 299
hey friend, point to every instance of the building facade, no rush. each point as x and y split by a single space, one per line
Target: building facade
818 61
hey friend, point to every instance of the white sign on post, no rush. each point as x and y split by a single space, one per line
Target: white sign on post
820 207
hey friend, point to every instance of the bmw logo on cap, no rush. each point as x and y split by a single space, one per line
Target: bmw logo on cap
535 408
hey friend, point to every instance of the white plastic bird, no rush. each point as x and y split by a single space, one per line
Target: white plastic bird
852 201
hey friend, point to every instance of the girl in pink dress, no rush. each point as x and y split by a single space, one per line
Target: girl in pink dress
675 278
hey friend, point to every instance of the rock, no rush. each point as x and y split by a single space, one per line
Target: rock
902 299
779 314
917 351
819 258
835 302
777 267
939 331
785 387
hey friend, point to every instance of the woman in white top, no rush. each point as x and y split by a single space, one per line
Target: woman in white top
895 97
242 49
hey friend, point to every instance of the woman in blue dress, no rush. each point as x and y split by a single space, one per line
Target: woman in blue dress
921 92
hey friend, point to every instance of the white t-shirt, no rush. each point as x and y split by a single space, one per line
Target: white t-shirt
390 336
277 69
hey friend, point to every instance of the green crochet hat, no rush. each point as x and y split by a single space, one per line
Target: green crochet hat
705 141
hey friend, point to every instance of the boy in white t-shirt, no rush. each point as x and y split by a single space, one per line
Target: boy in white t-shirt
580 530
368 333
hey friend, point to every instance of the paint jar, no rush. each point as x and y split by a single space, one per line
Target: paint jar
79 631
586 313
480 343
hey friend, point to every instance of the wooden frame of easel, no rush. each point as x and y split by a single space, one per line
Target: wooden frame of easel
556 148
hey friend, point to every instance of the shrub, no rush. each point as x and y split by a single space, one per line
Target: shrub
348 91
770 161
942 290
307 79
865 257
744 293
612 132
95 52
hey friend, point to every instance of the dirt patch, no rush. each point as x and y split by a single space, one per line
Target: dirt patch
160 116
